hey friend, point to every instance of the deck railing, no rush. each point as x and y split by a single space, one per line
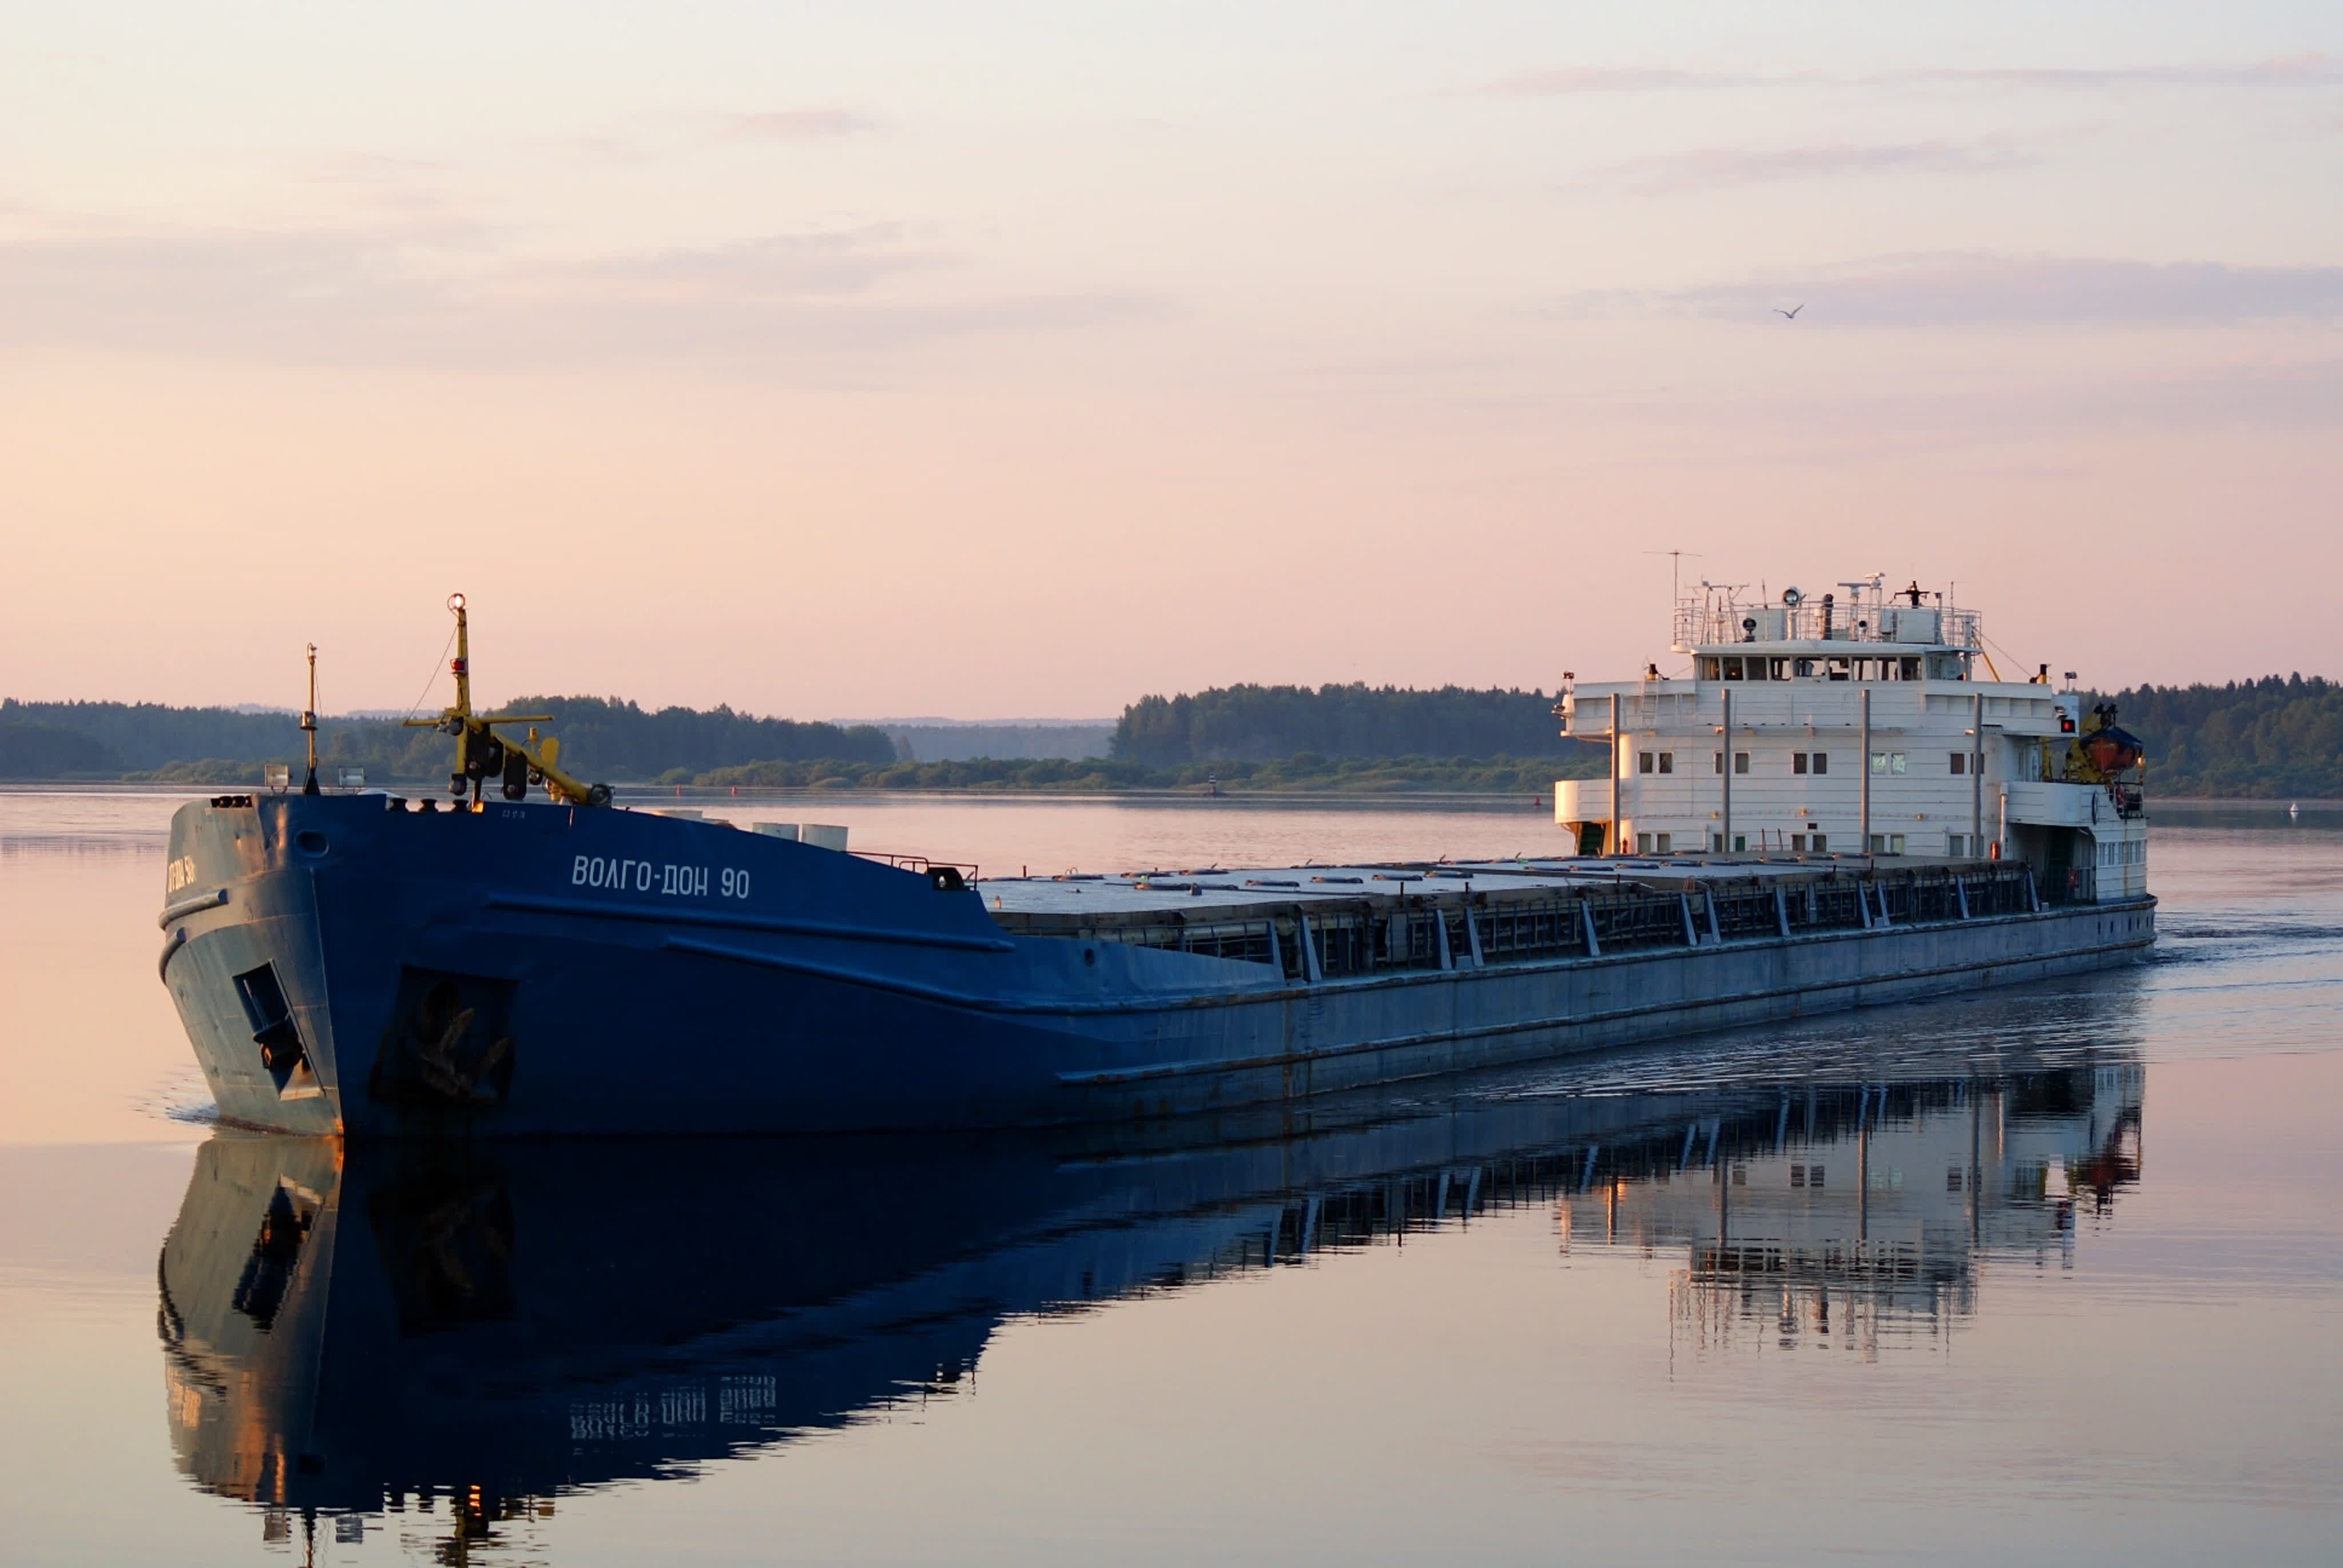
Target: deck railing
1716 619
1341 940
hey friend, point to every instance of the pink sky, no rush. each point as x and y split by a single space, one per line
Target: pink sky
925 360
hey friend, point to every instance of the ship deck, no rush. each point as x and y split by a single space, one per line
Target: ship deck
1215 893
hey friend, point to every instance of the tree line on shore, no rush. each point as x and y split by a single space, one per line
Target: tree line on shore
602 736
2275 738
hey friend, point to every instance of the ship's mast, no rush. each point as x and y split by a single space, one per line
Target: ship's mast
461 667
309 725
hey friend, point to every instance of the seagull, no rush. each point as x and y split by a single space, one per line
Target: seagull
1787 315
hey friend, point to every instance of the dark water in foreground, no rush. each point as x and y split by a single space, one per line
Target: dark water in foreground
2051 1275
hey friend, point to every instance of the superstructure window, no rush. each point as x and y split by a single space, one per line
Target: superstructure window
1887 844
1741 762
1960 764
1809 761
1642 762
1885 762
1667 761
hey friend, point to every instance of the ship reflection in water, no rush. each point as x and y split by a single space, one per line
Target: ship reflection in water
348 1333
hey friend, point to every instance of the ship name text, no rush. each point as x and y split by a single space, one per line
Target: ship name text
667 879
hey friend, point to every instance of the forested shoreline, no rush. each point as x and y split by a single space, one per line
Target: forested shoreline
2277 737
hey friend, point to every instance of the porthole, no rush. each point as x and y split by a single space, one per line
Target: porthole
309 841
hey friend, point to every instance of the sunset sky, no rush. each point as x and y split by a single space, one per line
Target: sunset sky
1017 359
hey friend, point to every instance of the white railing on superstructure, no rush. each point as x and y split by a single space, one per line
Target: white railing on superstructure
1861 612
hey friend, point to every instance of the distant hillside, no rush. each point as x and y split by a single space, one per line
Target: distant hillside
1263 723
2274 738
601 737
47 751
148 735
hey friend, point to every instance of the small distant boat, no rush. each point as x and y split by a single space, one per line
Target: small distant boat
2294 811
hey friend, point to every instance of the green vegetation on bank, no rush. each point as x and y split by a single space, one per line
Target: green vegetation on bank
2269 738
600 737
2261 739
1303 774
1259 723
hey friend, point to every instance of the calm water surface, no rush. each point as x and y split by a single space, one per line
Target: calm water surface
2049 1275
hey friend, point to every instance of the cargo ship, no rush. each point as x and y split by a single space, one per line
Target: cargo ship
1839 805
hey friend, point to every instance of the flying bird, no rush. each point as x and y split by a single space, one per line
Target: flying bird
1787 315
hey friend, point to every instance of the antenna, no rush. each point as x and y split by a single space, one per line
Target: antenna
1675 571
309 725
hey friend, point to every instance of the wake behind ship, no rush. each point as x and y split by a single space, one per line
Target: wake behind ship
541 961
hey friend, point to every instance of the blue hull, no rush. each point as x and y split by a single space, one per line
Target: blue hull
343 965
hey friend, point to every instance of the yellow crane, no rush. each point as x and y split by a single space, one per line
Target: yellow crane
482 754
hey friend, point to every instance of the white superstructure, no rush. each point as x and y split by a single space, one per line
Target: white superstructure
1868 722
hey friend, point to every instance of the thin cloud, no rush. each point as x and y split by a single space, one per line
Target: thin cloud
1985 290
760 307
1563 81
769 268
1707 168
2309 69
796 126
